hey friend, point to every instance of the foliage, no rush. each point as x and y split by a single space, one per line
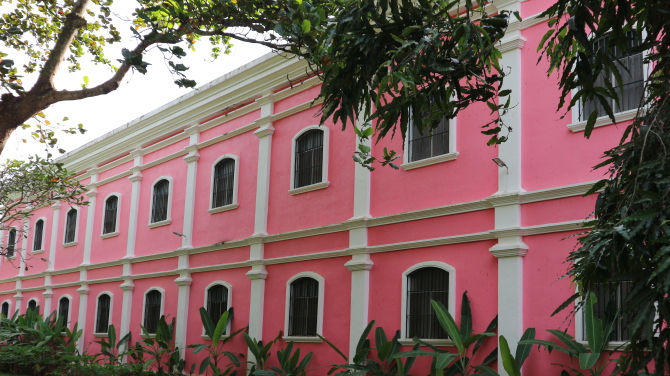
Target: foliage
629 240
110 348
158 352
261 353
596 358
215 350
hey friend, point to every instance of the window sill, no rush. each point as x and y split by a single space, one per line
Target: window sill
70 244
434 342
161 223
302 339
11 257
100 335
611 346
223 208
151 335
206 337
429 161
309 188
37 251
109 235
604 120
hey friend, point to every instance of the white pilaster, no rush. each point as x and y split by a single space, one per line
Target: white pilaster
127 304
184 282
90 215
136 179
18 297
264 134
83 291
54 236
47 294
24 247
191 177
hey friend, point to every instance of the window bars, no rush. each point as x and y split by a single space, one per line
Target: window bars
5 309
152 310
431 143
224 178
308 159
159 210
63 309
111 207
424 285
39 233
11 243
102 319
303 307
71 226
609 300
217 302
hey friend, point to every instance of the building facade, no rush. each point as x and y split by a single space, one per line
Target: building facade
234 196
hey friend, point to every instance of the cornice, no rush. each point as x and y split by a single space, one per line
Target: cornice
430 213
571 190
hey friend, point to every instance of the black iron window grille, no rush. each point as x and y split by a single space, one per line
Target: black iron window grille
152 310
5 309
424 285
224 178
63 309
308 159
429 143
303 307
102 319
159 211
111 208
32 305
71 226
11 243
39 234
631 69
217 302
609 300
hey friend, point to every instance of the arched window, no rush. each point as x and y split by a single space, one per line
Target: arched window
224 183
64 309
5 308
39 235
160 201
309 160
217 302
11 243
423 285
153 301
111 215
303 314
71 226
102 315
32 305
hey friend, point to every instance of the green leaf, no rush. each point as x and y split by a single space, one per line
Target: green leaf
448 324
509 363
593 326
220 329
306 26
523 349
588 360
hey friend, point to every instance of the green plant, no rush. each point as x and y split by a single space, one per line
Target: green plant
159 347
112 349
215 350
260 351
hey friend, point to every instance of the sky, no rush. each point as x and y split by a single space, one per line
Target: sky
137 95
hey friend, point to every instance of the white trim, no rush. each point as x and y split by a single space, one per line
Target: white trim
111 310
234 204
319 318
76 227
118 216
167 220
309 188
450 156
579 332
69 308
451 303
144 303
44 230
228 304
9 311
324 168
602 121
37 304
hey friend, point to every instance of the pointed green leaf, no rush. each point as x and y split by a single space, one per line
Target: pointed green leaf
448 324
509 363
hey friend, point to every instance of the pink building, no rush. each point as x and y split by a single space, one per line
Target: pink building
233 196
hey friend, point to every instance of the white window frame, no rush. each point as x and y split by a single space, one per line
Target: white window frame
450 156
44 230
144 306
579 125
168 220
581 338
118 216
234 204
404 340
319 319
9 230
230 299
76 227
111 310
324 183
69 308
37 303
9 311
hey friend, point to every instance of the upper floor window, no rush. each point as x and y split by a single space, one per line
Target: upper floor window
223 187
217 302
305 305
109 223
103 312
64 309
423 283
160 201
11 243
32 305
309 163
631 69
71 226
5 309
429 142
609 301
153 305
38 236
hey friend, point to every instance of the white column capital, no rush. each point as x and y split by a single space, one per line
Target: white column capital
509 250
56 205
127 285
265 131
257 272
83 290
183 281
357 265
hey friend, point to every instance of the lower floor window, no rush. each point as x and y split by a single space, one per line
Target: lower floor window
423 285
152 310
303 307
609 301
